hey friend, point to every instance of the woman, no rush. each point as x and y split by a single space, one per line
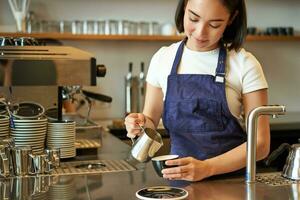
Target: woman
204 88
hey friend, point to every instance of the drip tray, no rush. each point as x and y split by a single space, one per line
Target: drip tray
93 167
274 179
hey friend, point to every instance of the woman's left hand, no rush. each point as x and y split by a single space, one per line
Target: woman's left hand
187 168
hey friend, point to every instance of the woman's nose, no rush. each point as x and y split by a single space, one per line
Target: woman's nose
201 30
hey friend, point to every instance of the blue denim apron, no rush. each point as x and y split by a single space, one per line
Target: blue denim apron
196 114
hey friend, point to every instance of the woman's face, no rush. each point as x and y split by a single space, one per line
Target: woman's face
204 23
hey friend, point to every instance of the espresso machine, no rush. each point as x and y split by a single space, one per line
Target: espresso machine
50 75
25 63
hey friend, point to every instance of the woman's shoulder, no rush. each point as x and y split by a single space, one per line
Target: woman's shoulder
243 56
167 51
244 62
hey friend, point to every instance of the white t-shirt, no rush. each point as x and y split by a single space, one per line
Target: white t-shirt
244 73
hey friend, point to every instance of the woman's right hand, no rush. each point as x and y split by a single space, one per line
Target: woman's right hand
133 123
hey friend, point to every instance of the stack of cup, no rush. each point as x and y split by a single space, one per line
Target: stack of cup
30 132
61 135
4 126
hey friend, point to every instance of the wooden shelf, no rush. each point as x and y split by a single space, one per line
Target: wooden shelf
69 36
272 38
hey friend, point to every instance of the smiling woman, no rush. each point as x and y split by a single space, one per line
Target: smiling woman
219 21
203 88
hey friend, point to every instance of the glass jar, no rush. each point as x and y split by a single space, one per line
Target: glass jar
65 26
154 28
133 28
90 27
112 27
124 27
101 27
77 27
143 28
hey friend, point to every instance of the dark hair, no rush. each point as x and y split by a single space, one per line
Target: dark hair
235 33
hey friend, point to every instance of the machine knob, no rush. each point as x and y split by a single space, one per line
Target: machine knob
101 70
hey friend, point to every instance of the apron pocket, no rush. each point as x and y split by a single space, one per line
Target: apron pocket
194 115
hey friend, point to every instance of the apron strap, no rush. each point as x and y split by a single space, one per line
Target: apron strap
221 67
178 57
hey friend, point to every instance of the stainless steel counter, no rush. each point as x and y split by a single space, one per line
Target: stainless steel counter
123 185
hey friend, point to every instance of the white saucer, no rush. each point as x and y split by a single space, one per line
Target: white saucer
28 132
61 124
29 139
4 118
30 120
162 192
53 134
66 139
65 147
38 143
4 124
28 135
28 128
61 129
22 125
61 136
4 129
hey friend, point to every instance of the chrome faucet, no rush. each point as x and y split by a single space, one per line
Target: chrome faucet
272 110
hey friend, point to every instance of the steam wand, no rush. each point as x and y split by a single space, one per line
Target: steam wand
59 102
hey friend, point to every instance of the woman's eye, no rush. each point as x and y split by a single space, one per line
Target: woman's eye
193 19
214 25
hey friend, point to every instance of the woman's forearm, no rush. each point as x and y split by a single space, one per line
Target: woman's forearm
149 122
232 160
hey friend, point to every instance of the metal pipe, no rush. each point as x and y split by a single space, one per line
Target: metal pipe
273 110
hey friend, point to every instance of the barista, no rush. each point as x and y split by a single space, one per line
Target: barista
204 88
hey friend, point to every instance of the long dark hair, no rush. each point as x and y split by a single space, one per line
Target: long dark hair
235 33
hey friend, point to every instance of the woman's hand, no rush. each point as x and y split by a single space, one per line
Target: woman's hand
133 123
187 168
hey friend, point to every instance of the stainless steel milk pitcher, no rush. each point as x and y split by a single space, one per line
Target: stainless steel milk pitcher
145 147
40 164
4 162
6 165
22 164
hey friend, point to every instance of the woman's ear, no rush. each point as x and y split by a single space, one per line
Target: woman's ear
232 17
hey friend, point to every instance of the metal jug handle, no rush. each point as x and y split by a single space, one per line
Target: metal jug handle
277 152
32 165
49 166
133 140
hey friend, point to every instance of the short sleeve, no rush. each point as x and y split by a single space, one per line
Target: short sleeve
153 71
253 77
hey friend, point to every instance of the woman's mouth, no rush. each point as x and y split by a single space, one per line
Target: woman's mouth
201 40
